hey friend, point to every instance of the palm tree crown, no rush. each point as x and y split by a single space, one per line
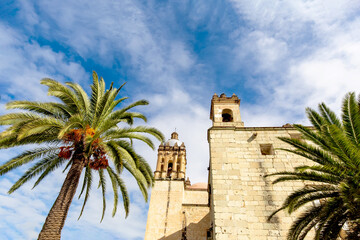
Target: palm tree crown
332 196
80 132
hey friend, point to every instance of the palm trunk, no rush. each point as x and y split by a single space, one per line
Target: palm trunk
56 218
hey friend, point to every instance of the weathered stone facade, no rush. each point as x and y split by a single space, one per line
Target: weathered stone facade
177 209
240 199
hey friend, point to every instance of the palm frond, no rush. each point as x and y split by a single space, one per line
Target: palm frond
138 136
82 97
333 147
300 196
64 93
331 210
47 137
146 171
57 162
304 149
95 95
104 102
329 116
139 177
117 133
48 108
39 126
351 118
328 169
107 104
313 136
115 190
102 183
344 149
116 155
311 197
127 151
38 168
306 176
315 118
115 103
18 119
87 183
26 157
75 121
124 192
307 217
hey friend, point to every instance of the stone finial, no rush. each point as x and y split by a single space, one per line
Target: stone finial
187 182
223 95
288 125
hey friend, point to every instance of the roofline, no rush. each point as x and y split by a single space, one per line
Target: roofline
252 128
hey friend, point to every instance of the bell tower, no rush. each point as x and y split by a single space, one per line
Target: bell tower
171 161
177 210
165 217
225 111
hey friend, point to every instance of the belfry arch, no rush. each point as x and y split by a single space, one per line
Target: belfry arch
171 159
227 115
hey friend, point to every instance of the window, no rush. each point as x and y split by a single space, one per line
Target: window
162 164
169 171
266 149
227 115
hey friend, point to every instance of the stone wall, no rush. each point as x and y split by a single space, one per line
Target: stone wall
196 197
242 198
165 217
197 221
172 208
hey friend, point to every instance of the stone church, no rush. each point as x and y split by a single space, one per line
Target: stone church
237 199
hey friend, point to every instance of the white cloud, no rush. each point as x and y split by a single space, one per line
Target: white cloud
181 56
259 49
23 211
23 64
112 30
306 52
287 19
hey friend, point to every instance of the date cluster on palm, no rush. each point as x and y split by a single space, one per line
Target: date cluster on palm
76 138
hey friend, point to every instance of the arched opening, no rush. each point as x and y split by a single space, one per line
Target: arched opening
162 165
169 170
227 115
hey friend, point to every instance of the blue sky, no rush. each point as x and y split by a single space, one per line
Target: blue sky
277 56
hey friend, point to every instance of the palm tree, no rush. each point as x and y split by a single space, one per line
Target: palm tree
81 133
331 199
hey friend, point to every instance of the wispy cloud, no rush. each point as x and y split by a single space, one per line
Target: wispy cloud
24 62
305 53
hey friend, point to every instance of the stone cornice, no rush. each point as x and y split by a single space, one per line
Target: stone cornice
252 128
195 205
